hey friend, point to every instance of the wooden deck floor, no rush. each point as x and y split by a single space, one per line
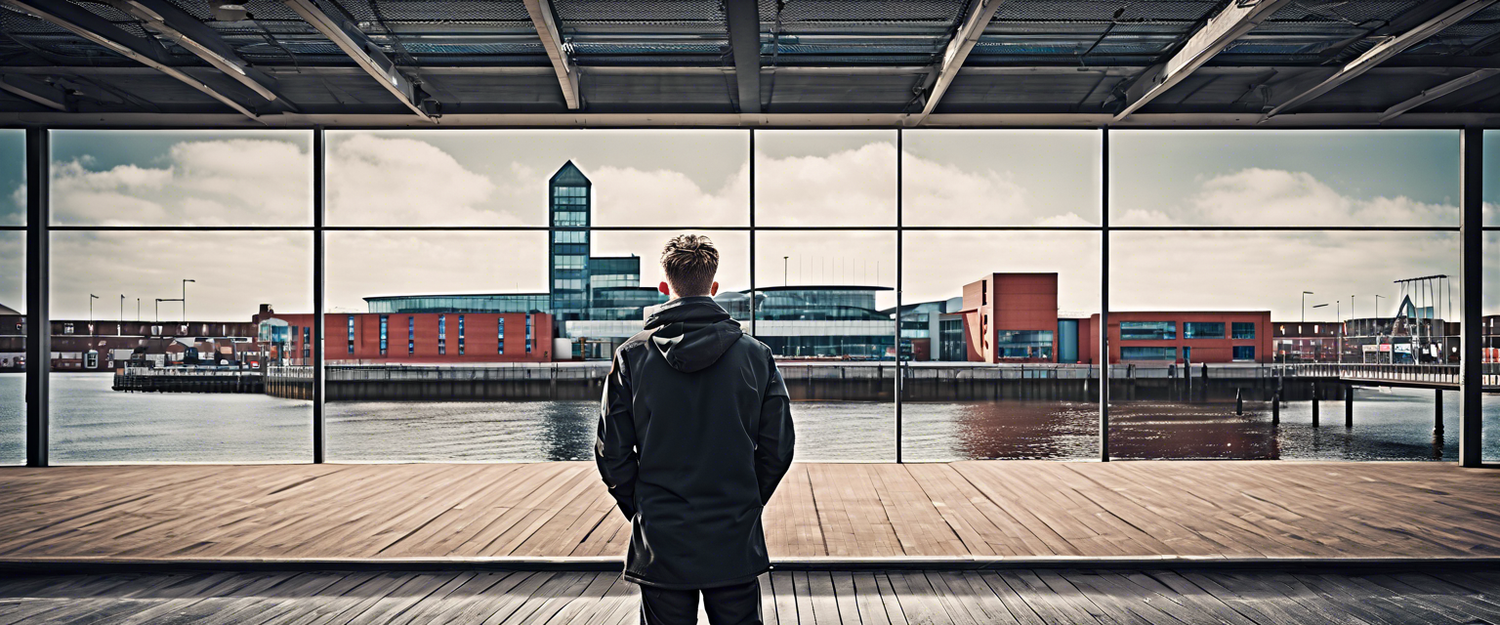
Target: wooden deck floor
812 597
1229 509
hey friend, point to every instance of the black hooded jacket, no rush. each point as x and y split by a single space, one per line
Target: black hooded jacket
695 431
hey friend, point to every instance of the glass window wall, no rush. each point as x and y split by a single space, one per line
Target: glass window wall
1235 251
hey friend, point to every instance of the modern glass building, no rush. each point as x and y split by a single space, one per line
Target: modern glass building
568 200
832 321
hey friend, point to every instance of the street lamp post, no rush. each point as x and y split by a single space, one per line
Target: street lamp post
120 326
184 299
1338 309
1392 357
92 297
1315 307
784 262
1304 305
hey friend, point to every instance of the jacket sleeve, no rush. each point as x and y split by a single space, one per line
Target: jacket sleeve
615 450
775 439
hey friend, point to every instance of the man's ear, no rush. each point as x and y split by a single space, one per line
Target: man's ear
713 289
665 290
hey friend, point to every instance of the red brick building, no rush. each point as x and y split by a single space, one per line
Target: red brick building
1012 317
422 338
1187 336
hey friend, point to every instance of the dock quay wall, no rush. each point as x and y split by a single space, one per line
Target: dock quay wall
810 381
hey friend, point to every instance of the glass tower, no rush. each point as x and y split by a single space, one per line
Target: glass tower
568 198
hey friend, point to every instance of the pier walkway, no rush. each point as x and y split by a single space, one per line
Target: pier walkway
986 509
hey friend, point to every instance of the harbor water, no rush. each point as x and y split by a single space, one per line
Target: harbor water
92 424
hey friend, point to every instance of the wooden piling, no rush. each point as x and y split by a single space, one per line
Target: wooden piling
1315 403
1349 405
1239 402
1437 421
1276 409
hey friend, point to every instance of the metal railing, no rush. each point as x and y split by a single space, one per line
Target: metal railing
188 372
1402 373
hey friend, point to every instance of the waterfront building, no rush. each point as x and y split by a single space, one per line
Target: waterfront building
1013 318
1187 336
569 203
824 321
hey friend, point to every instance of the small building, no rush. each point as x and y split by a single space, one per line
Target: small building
1188 336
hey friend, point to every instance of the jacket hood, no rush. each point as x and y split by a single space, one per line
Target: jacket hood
691 333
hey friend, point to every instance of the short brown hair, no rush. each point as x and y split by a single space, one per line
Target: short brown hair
690 262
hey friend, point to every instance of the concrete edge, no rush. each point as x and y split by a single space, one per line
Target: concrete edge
111 565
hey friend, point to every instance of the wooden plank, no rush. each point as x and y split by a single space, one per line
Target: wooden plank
1023 508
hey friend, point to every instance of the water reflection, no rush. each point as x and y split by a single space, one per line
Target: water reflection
91 423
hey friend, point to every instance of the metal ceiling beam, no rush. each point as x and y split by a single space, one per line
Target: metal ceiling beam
557 50
194 36
38 91
1384 50
956 53
1439 91
1223 29
743 17
367 55
765 120
148 52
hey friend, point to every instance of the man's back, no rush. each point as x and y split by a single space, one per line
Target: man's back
694 435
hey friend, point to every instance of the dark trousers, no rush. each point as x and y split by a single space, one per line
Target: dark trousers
726 605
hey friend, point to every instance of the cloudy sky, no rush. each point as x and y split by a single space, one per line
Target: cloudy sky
701 178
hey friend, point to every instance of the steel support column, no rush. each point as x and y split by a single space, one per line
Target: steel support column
900 366
1471 235
38 319
1104 299
319 434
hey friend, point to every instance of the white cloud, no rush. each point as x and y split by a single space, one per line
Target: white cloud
625 196
393 181
1256 196
222 182
847 187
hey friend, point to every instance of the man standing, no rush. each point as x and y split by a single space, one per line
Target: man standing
695 432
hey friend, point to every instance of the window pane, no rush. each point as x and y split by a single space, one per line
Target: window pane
188 177
121 325
1238 300
825 177
1284 177
13 177
440 348
505 177
1001 177
1492 178
823 305
996 327
12 348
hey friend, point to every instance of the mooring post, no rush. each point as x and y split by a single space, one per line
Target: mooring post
1437 418
1315 403
1239 402
1276 409
1349 405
